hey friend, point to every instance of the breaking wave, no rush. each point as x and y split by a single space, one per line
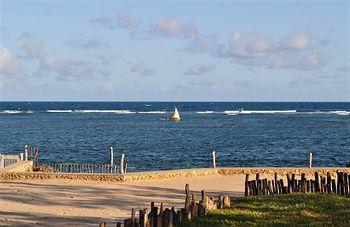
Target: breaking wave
205 112
151 112
235 112
59 111
91 111
16 112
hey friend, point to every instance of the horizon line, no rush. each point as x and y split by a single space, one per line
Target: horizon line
217 101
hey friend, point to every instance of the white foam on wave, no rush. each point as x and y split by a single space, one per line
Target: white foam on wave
235 112
341 112
205 112
151 112
12 111
104 111
338 112
91 111
16 112
59 111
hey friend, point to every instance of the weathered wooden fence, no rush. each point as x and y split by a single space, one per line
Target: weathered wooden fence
9 159
319 184
84 168
169 217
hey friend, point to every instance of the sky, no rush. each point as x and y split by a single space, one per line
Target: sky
174 50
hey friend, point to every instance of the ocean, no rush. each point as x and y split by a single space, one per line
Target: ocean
262 134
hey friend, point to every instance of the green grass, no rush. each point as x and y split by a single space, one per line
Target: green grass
281 210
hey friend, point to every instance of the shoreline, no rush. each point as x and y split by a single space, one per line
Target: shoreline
168 174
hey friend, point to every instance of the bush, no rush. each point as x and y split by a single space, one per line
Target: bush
348 165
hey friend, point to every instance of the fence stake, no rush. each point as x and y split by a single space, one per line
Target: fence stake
111 156
214 160
26 148
122 157
310 160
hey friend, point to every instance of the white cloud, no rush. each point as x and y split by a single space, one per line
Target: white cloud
255 49
103 20
30 49
200 69
89 44
172 27
8 63
123 20
128 21
66 69
143 69
299 40
203 43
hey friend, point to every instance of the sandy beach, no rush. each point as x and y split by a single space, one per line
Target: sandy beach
55 202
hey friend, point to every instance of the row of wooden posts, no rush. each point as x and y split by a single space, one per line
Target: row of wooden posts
92 168
169 217
32 153
319 184
86 168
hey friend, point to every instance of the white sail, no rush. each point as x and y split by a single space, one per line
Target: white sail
176 115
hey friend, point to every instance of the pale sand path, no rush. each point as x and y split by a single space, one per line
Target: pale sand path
87 203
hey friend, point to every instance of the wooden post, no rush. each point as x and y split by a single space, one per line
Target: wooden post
36 156
276 184
289 189
122 157
188 198
258 183
26 149
329 182
334 186
133 219
283 189
102 224
341 185
346 184
310 160
292 182
154 216
317 183
143 217
214 160
246 185
303 183
111 161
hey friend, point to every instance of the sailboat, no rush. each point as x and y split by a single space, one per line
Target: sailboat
175 117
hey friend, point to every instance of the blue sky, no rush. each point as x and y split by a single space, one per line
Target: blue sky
175 51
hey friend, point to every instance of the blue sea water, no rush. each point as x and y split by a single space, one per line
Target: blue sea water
261 135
